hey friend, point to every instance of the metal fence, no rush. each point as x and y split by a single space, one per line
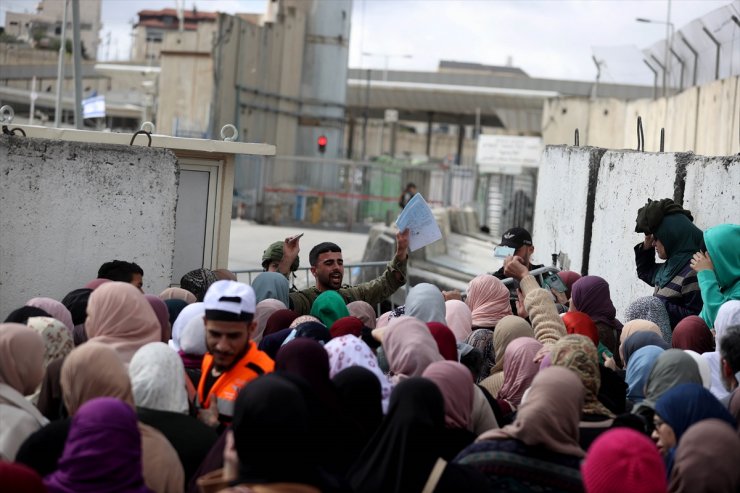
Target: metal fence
340 193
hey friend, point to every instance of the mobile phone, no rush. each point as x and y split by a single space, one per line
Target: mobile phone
553 281
503 251
293 238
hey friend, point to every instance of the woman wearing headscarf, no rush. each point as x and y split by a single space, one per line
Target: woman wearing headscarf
158 384
540 450
728 315
57 342
569 278
634 326
580 323
20 479
607 468
692 333
638 371
163 315
520 369
425 302
21 370
445 340
676 239
177 294
76 302
348 351
578 353
488 300
96 370
279 320
198 281
22 314
403 453
718 270
459 319
364 311
120 316
262 313
456 384
482 340
639 340
102 453
55 310
652 309
679 408
174 308
329 307
509 328
704 371
347 326
271 285
409 348
709 469
591 296
360 398
190 312
272 428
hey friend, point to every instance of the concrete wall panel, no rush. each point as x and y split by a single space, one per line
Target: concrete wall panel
68 207
712 191
562 190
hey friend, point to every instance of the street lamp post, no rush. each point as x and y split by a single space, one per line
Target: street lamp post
669 28
386 57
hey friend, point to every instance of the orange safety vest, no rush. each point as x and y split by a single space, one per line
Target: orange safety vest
226 388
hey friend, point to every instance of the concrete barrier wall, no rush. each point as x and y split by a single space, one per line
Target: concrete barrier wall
588 198
704 119
68 207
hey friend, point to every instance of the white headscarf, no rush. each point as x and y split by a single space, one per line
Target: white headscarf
727 316
193 310
193 337
426 303
158 379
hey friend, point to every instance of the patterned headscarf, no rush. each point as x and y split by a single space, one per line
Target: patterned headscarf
58 341
198 281
652 309
482 339
578 353
347 351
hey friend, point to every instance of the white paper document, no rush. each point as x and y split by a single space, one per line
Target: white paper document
418 218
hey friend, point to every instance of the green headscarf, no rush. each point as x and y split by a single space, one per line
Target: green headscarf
329 307
723 245
681 239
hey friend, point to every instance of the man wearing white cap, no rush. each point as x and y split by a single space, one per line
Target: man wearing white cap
232 360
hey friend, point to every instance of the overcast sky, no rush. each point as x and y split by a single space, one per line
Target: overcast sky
546 38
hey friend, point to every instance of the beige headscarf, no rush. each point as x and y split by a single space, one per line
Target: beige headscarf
178 294
21 358
262 313
57 339
119 315
364 311
95 370
550 415
634 326
409 348
509 328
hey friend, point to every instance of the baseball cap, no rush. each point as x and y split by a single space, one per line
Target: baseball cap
516 238
229 301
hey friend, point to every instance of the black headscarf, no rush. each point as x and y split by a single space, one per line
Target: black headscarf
271 344
360 397
174 307
403 452
651 214
22 314
639 340
76 303
272 433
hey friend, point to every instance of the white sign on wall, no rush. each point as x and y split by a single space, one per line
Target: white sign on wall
507 154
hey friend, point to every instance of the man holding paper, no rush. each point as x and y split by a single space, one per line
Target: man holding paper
327 267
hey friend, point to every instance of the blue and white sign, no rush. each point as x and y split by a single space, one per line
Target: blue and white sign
93 107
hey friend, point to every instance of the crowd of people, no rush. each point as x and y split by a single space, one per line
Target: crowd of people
513 385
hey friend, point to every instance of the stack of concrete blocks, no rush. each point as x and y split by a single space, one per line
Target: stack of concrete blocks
587 202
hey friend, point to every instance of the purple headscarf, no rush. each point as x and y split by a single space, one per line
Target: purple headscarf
103 451
163 315
590 295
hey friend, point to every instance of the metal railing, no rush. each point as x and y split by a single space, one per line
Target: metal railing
303 278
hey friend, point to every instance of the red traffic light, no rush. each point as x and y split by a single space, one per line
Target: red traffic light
322 141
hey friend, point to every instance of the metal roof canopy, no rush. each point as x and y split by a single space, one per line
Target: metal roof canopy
514 103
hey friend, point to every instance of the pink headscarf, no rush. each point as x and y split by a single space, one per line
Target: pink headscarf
519 369
383 320
55 310
119 315
21 358
488 299
459 319
178 294
364 311
262 313
456 384
409 347
95 283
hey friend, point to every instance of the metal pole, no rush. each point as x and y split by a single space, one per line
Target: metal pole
367 115
655 78
680 61
34 95
76 50
598 77
718 45
60 68
666 60
696 57
662 67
